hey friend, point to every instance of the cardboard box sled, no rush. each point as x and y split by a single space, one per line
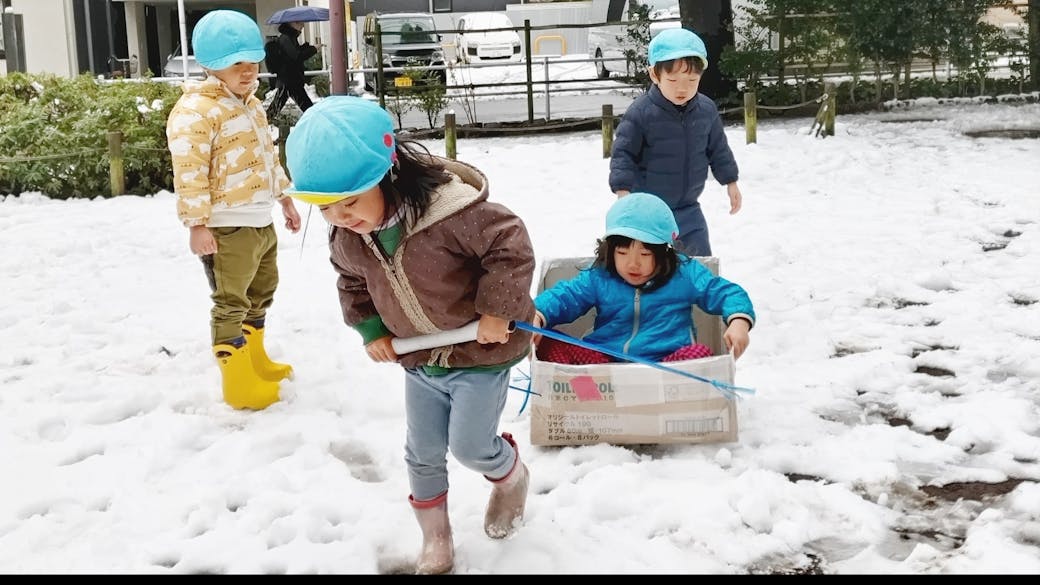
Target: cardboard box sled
629 403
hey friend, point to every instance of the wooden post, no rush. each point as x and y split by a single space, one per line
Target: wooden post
608 129
530 82
380 75
750 118
450 136
832 105
116 178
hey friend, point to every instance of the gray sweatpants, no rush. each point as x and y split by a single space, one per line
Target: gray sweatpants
460 412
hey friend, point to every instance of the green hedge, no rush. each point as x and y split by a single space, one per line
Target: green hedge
53 134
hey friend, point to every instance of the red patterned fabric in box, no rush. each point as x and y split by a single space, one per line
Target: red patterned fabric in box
559 352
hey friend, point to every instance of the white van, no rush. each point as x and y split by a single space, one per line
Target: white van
610 42
478 41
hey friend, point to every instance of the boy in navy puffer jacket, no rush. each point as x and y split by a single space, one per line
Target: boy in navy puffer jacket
670 136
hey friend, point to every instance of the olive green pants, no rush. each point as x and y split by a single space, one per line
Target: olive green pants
243 276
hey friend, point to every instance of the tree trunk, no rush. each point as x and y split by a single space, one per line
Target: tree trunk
1034 42
878 98
712 20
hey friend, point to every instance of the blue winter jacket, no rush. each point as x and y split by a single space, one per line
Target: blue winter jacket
649 325
663 150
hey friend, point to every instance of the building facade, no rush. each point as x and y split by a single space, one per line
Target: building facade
114 38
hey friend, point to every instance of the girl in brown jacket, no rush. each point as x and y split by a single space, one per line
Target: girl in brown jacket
419 249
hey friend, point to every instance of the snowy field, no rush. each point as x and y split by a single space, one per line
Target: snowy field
895 269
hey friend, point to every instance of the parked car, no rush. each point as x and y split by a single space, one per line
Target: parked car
611 42
408 40
476 42
175 65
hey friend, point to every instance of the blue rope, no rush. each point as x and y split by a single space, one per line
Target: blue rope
727 390
527 391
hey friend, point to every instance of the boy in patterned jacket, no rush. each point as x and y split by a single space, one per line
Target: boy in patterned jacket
227 176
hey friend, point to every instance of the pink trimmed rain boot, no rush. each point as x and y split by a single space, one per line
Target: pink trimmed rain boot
438 550
508 497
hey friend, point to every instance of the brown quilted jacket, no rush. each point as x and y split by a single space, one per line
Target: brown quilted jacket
466 257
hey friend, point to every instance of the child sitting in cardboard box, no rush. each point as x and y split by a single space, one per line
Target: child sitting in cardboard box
642 290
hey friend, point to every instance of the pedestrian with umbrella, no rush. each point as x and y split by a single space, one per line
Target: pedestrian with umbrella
286 56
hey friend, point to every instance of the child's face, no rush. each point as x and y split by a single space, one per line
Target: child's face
361 214
678 85
239 77
635 263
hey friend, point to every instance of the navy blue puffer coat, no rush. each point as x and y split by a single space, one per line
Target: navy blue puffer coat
665 150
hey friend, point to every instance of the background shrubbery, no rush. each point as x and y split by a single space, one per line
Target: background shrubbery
904 50
53 134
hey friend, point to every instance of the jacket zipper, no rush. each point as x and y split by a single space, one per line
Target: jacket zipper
399 284
635 322
272 176
686 149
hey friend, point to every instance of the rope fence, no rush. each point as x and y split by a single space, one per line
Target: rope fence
81 152
823 125
114 154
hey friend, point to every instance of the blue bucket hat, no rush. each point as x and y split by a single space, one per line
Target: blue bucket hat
224 37
340 147
643 217
676 43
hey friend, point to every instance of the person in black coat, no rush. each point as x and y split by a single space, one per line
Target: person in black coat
290 76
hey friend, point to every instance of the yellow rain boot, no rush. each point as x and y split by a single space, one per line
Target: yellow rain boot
262 364
243 388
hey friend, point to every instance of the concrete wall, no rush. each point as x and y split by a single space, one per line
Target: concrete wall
135 36
50 34
566 41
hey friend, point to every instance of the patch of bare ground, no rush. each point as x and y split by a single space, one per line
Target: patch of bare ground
972 490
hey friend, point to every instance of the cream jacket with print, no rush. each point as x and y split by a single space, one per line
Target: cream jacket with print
225 166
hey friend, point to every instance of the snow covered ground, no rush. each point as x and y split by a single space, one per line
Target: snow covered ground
894 269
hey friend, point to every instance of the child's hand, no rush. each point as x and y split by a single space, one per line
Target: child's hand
381 350
539 322
736 336
492 330
735 199
201 241
292 217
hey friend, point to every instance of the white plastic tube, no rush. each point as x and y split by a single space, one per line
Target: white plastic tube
403 345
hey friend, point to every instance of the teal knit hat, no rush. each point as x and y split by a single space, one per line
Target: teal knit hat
222 38
643 217
676 43
341 146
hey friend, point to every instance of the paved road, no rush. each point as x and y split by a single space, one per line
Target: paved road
515 109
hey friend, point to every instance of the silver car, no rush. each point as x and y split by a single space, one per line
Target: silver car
407 39
175 65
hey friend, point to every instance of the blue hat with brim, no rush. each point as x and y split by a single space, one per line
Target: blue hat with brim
341 146
676 43
222 38
643 217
